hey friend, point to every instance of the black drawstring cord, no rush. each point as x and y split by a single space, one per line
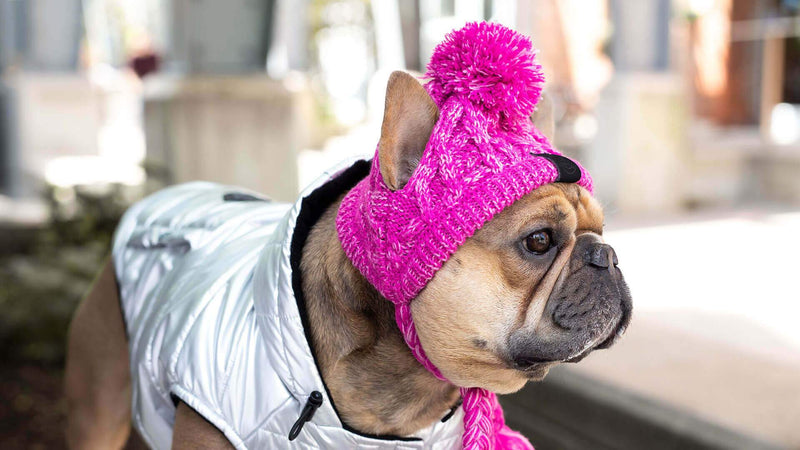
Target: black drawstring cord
313 403
452 410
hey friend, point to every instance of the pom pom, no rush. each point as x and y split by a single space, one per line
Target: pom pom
490 66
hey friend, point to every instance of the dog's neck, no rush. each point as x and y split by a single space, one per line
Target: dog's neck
376 384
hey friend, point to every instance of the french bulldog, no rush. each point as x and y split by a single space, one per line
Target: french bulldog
534 287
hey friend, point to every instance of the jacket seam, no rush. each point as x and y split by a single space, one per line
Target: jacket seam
212 414
269 417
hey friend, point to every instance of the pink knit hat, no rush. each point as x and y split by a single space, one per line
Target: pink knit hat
483 155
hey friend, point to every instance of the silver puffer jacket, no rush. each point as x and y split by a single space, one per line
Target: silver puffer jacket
205 283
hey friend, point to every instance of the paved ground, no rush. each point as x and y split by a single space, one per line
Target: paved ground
716 326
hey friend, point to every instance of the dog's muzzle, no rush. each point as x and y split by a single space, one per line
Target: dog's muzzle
589 308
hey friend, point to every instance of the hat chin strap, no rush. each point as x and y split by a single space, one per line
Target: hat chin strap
484 424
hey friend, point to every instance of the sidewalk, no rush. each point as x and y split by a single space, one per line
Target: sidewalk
716 324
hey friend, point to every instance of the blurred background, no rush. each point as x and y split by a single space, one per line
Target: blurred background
686 112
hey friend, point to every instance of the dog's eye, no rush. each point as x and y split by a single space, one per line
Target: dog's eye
538 242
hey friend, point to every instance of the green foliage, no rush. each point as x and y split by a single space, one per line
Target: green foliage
40 289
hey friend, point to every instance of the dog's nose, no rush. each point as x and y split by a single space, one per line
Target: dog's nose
601 255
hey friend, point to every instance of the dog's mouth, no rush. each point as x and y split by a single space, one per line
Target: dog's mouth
537 366
533 369
583 354
538 370
580 322
612 338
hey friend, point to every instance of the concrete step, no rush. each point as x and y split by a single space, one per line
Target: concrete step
570 411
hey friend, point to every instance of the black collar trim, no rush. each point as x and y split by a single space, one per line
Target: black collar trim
311 210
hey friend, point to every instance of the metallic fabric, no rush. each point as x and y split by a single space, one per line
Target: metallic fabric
212 320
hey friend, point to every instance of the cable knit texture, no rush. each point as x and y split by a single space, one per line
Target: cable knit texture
481 158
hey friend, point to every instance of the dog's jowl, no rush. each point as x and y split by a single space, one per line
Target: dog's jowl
386 307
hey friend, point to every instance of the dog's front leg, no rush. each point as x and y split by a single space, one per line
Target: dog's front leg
192 431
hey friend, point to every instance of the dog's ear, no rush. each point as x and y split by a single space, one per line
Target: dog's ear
543 117
408 118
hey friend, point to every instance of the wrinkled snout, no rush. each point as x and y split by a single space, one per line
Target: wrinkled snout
590 307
